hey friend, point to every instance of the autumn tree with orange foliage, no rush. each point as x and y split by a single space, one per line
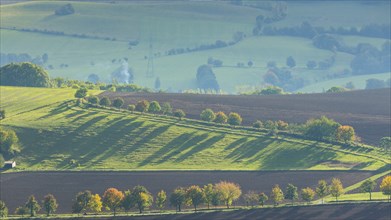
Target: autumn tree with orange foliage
345 133
112 199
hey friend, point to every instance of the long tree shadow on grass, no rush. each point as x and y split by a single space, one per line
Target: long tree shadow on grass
170 148
246 148
296 157
59 109
99 146
200 147
146 133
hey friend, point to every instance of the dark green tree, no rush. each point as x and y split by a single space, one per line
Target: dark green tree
290 62
93 99
105 102
321 129
2 114
81 201
291 193
81 92
118 103
367 187
24 74
179 113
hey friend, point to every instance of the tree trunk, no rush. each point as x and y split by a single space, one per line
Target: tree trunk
370 196
227 204
179 208
208 205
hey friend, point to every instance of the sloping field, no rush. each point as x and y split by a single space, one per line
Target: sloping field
368 111
16 187
61 136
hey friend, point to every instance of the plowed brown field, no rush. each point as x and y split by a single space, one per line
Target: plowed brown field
368 111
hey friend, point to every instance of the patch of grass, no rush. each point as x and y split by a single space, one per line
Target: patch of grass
57 135
358 197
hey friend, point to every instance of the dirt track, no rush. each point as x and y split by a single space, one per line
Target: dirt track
16 187
368 111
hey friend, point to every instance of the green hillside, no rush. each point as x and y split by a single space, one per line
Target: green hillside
175 24
57 135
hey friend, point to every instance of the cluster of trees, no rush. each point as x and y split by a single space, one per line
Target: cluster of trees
269 90
65 10
24 74
32 206
368 59
326 129
377 83
278 11
206 79
23 57
222 193
220 117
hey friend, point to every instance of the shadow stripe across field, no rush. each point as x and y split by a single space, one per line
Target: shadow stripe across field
16 187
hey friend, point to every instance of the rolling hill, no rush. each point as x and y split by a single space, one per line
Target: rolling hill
58 135
174 25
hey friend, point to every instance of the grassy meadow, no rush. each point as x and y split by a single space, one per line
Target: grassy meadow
55 134
176 24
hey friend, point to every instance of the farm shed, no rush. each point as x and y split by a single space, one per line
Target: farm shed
9 164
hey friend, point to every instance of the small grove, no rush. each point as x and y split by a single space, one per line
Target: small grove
219 194
320 129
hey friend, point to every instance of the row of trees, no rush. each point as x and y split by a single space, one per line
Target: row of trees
220 117
222 193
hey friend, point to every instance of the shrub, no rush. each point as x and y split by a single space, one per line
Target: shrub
142 106
258 124
179 113
131 108
234 119
81 92
105 102
118 102
93 99
154 107
207 115
221 118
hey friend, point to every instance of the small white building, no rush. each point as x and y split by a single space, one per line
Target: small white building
9 164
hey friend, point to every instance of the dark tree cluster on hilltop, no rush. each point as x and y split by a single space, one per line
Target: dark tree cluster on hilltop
24 74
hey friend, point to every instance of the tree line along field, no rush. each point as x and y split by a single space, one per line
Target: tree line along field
177 25
16 187
55 134
367 111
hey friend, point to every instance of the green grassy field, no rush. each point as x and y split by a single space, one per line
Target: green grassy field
57 135
174 25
